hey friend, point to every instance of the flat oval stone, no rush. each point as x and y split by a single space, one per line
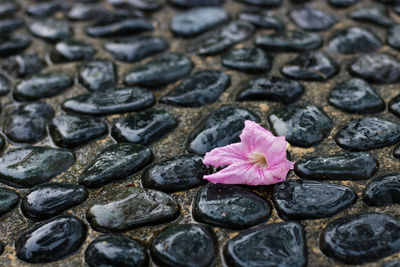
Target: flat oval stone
110 101
8 200
72 50
50 29
265 3
368 133
361 238
394 105
23 65
253 60
277 244
48 200
342 3
42 86
115 162
5 86
70 131
13 44
222 38
195 21
185 245
353 166
51 240
8 7
9 25
262 18
47 9
376 14
98 74
393 37
272 89
83 12
129 208
145 5
302 199
311 66
376 68
229 206
116 251
312 19
196 3
220 128
144 127
116 26
133 49
29 166
383 191
162 70
354 40
202 88
303 126
289 41
176 174
356 96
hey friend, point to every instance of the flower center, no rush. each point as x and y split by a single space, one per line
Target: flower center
259 160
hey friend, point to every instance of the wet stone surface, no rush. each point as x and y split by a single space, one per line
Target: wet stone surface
376 14
23 65
383 191
262 18
393 38
72 50
13 44
49 29
8 200
118 25
98 74
253 60
354 40
312 19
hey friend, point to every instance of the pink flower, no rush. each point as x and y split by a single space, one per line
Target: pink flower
259 159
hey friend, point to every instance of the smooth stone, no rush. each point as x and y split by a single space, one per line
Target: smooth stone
375 14
354 40
222 38
47 9
123 209
277 244
312 19
9 25
220 128
145 5
5 85
110 101
342 3
198 20
303 126
27 123
144 127
176 174
394 105
185 245
262 18
51 240
302 199
23 65
72 50
115 26
368 133
361 238
82 12
13 44
229 206
8 7
116 251
264 3
70 131
114 163
376 68
28 166
42 86
273 88
356 96
383 191
8 201
48 200
201 88
162 70
196 3
350 166
98 74
133 49
252 60
393 37
50 29
289 41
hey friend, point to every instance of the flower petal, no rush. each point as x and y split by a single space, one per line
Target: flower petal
226 155
276 152
255 137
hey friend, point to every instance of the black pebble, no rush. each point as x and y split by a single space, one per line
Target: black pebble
98 74
383 191
354 40
8 200
262 18
252 60
72 50
312 19
23 65
376 14
289 41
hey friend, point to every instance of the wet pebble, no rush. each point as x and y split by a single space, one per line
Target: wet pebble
8 7
361 238
272 89
8 201
383 191
368 133
128 208
303 126
49 29
196 3
185 245
5 86
13 44
114 163
354 40
202 88
253 60
277 244
393 37
220 128
116 251
115 26
262 18
312 19
23 65
51 240
289 41
98 74
342 3
48 200
144 127
9 25
84 12
229 206
47 9
72 50
145 5
394 105
376 14
264 3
